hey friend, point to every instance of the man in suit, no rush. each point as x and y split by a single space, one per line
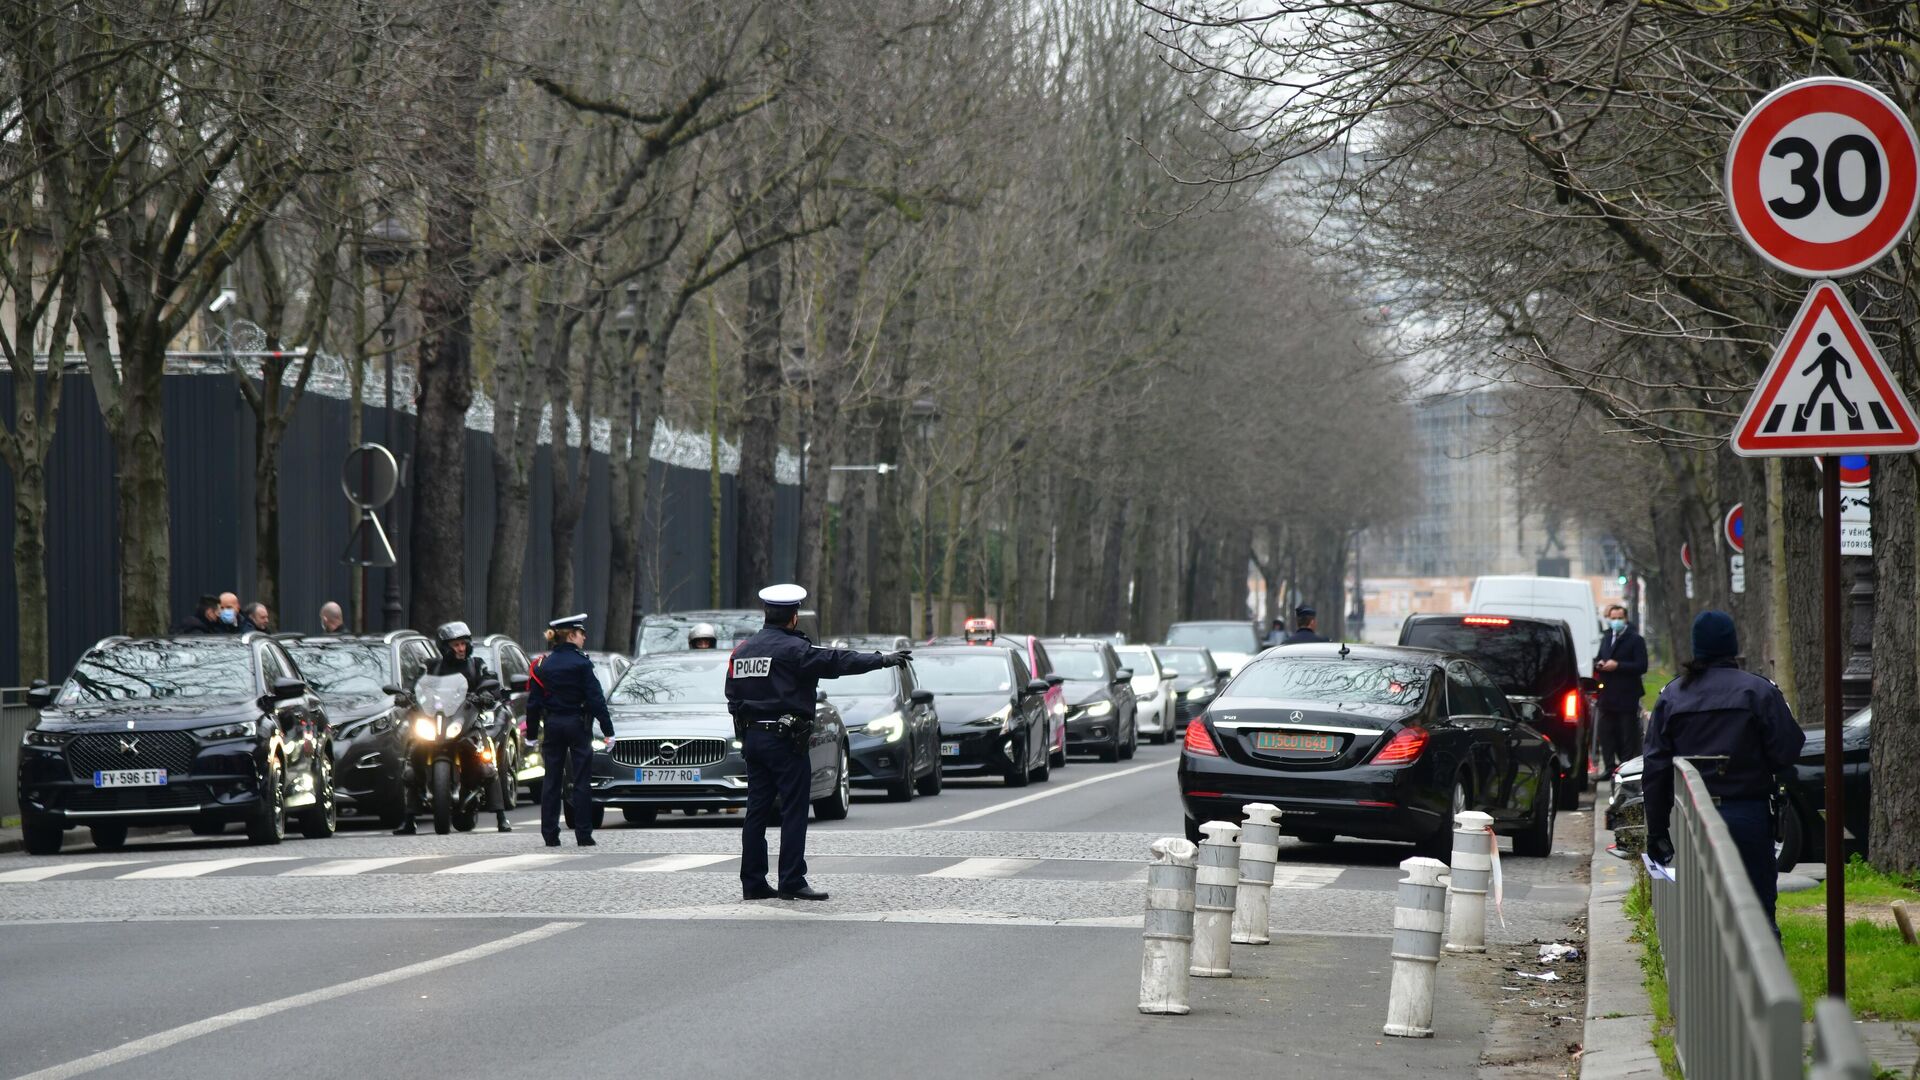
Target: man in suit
1621 662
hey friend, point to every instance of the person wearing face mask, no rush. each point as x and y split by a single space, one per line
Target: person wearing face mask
1621 662
229 614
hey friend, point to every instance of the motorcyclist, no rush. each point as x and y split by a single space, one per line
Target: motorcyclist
703 636
458 658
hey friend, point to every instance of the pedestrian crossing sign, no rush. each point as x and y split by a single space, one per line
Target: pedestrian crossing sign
1827 390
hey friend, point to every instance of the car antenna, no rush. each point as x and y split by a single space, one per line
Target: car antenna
1344 650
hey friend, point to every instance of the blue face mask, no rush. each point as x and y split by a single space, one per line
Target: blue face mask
229 616
1618 625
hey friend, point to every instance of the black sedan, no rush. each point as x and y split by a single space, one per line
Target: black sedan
360 680
673 746
993 717
200 730
1380 743
1100 701
893 731
1196 679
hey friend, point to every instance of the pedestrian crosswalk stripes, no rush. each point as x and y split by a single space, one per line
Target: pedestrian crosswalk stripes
52 870
199 867
985 868
504 864
348 867
666 864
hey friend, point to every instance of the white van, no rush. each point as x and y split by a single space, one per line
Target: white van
1570 599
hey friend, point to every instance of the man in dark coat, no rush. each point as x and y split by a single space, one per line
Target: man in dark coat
1306 622
204 619
1621 662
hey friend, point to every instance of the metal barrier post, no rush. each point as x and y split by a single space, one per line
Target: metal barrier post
1169 928
1419 915
1472 867
1259 851
1838 1053
1215 877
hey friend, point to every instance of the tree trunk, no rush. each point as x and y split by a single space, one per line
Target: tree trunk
1115 579
1800 482
267 430
139 443
570 387
1893 843
30 553
760 404
627 459
516 424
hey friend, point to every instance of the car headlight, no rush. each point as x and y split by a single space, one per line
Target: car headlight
1098 708
1001 718
891 727
226 731
1200 693
35 737
423 728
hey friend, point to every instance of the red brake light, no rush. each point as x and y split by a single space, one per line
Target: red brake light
1486 620
1405 746
1570 707
1198 741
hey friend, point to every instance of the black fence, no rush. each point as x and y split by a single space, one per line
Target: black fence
210 494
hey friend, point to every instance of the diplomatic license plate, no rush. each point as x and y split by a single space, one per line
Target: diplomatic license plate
1294 742
949 749
667 776
129 778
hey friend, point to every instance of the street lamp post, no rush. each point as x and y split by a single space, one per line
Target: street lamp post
925 414
387 246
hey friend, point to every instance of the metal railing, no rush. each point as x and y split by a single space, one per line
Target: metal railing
1837 1051
1736 1008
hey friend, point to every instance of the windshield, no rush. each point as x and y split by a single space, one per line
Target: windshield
985 672
1358 682
161 671
355 670
605 671
1184 663
1140 660
875 683
1234 638
1081 664
442 694
1526 659
682 682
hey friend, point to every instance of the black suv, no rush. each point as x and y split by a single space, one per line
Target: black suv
1534 663
199 730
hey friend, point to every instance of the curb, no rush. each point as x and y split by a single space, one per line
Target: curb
1618 1040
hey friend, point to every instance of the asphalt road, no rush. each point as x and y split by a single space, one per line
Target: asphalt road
984 932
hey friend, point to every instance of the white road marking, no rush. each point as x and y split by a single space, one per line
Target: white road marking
984 868
198 867
1306 877
505 864
42 873
350 867
975 815
667 864
174 1036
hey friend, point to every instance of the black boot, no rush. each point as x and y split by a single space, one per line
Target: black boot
500 822
406 828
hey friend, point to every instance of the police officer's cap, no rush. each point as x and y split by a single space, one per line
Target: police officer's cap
569 623
1304 612
783 596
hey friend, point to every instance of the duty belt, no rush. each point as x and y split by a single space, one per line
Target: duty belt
784 722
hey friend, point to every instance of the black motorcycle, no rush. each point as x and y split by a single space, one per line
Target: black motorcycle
451 756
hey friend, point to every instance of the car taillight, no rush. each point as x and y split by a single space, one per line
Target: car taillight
1404 747
1198 741
1486 620
1570 707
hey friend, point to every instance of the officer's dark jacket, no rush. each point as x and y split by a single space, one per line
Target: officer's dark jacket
197 623
1621 688
563 684
1722 711
1304 636
776 671
472 668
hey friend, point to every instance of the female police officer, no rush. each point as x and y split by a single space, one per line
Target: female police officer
1738 728
565 698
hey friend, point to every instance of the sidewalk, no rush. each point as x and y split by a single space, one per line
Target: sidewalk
1619 1031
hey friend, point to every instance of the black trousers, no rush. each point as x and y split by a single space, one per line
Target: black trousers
1619 735
566 745
1751 823
777 767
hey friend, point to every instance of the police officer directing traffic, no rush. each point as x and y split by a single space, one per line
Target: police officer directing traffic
564 699
1738 730
771 682
1306 622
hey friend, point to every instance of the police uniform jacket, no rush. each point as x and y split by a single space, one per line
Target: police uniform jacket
776 672
1304 636
564 685
1621 689
1721 712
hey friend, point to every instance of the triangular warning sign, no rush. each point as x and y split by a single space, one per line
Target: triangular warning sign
1827 390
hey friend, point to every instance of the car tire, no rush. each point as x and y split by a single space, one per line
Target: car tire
1440 844
441 785
219 828
1057 758
1042 772
1019 776
269 823
839 801
509 783
931 783
1131 746
1568 788
1315 836
1792 844
1111 753
323 818
1537 841
41 835
108 835
639 815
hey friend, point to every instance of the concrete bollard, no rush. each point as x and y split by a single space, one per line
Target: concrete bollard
1169 928
1467 887
1215 878
1419 915
1259 850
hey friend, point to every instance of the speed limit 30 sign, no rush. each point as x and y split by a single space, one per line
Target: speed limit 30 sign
1822 176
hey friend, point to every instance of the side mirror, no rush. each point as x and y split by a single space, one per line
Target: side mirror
517 682
1125 674
921 697
392 690
1037 686
819 695
40 695
1169 673
489 685
1055 679
288 688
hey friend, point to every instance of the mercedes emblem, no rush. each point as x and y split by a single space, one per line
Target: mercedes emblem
1296 716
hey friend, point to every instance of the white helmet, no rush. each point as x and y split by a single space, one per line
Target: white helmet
703 632
453 631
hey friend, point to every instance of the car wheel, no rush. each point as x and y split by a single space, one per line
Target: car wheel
320 821
1019 775
1110 753
442 788
1792 840
903 789
41 835
1132 744
108 835
1567 790
931 783
1315 836
509 782
1537 841
269 823
639 815
1440 844
1043 772
218 828
835 806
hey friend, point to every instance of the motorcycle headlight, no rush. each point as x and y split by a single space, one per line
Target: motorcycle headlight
45 738
1099 708
226 731
891 727
1200 693
423 727
455 727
